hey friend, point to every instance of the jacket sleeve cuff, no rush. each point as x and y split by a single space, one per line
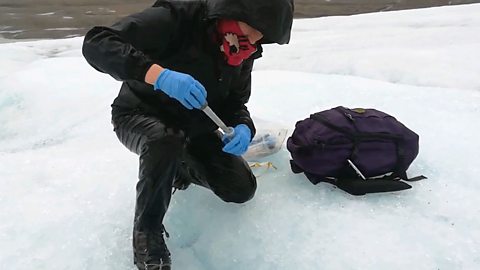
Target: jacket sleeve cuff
142 69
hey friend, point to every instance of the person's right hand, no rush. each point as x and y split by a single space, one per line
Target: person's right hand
182 87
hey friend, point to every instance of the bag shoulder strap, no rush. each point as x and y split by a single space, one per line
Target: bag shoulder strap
404 176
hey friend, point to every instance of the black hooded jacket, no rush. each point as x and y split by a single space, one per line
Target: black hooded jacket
180 35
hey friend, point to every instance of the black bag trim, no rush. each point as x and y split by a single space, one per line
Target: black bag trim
295 168
361 187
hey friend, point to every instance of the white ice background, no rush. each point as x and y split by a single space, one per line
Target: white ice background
67 186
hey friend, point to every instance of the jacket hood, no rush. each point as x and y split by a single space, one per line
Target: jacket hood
273 18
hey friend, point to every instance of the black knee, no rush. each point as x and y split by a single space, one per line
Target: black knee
239 193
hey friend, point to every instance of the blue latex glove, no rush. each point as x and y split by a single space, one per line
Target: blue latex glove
182 87
238 144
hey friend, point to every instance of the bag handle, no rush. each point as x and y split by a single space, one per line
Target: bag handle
358 136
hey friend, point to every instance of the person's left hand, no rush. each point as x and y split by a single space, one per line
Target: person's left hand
238 144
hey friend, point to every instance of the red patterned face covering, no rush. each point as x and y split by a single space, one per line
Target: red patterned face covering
235 45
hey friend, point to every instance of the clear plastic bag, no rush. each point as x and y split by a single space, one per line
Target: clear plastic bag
265 143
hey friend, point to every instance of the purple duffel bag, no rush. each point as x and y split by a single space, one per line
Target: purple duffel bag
359 150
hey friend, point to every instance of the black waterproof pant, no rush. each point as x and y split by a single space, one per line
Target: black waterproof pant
168 154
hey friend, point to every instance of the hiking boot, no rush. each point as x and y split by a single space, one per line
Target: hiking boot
150 251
